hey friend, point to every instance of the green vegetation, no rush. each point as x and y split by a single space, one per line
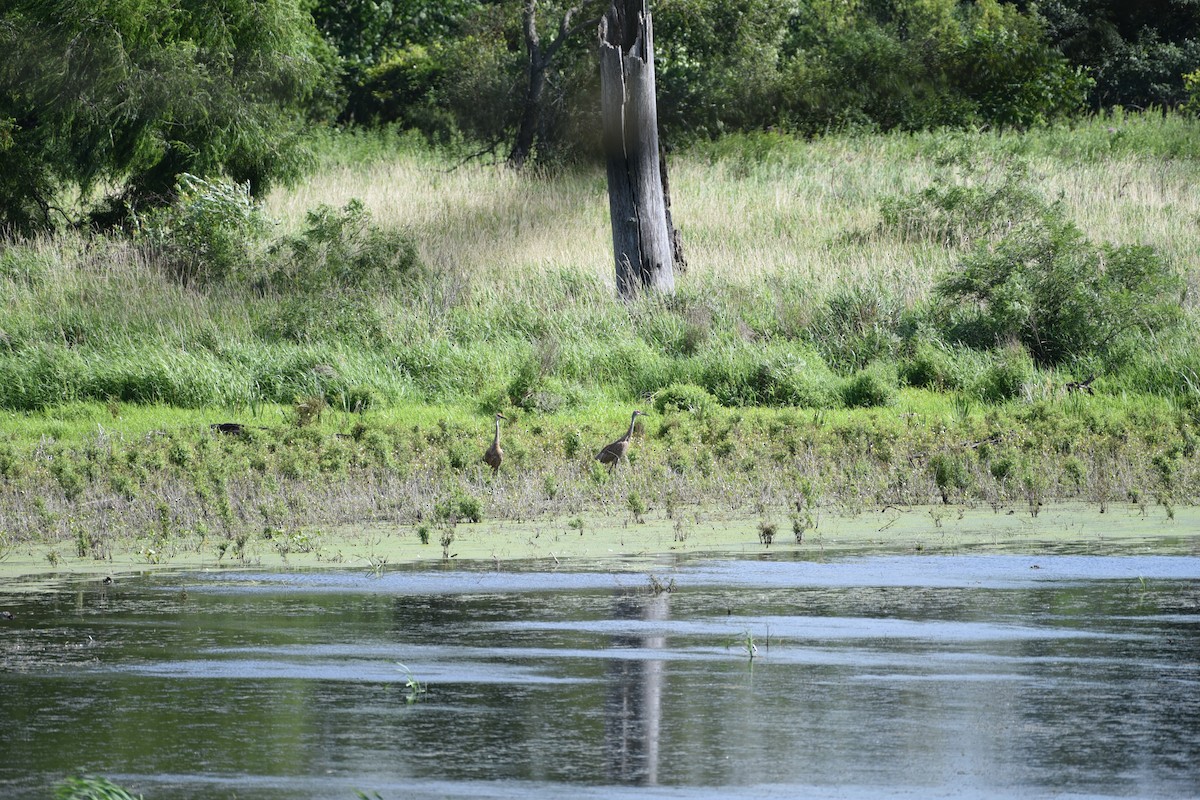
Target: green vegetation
414 690
104 104
89 788
456 70
945 284
982 280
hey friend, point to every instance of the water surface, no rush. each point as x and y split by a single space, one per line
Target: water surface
854 675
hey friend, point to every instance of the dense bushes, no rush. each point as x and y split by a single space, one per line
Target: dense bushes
458 67
1062 297
213 232
1030 276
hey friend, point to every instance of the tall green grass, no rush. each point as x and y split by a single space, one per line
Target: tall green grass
470 284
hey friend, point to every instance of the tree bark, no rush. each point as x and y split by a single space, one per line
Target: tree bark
642 241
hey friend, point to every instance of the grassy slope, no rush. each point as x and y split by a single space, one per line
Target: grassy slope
522 304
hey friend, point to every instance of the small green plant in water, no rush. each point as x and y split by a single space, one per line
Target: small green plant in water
747 645
657 587
637 507
89 788
414 690
376 564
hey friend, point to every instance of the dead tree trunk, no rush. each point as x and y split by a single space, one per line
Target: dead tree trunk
642 241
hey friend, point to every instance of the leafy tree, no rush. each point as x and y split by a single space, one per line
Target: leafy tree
365 32
1007 68
541 53
126 95
804 65
386 50
718 63
1137 52
915 64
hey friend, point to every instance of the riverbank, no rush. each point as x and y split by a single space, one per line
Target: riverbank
650 547
80 476
967 320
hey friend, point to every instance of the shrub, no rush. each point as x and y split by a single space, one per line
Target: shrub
396 90
341 248
213 232
789 375
1007 67
968 202
1059 295
874 386
950 473
1005 377
1191 87
684 397
459 508
934 365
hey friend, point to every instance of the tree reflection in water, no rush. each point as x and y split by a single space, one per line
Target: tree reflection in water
633 699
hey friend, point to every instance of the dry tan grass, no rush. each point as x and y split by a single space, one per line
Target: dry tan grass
812 214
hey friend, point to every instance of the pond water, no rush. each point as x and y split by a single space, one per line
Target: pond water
851 675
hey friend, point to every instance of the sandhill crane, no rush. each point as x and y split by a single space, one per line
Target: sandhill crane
494 455
612 453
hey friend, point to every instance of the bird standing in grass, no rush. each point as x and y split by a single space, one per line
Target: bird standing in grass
494 455
612 453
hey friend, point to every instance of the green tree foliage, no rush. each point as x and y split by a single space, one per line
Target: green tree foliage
1030 278
915 64
1007 71
1138 52
126 95
722 67
456 67
718 63
364 32
472 85
387 73
1191 85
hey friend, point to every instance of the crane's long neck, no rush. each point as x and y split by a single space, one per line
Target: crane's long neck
496 441
629 433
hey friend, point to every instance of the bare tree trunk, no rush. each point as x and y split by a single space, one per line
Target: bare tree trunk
642 241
